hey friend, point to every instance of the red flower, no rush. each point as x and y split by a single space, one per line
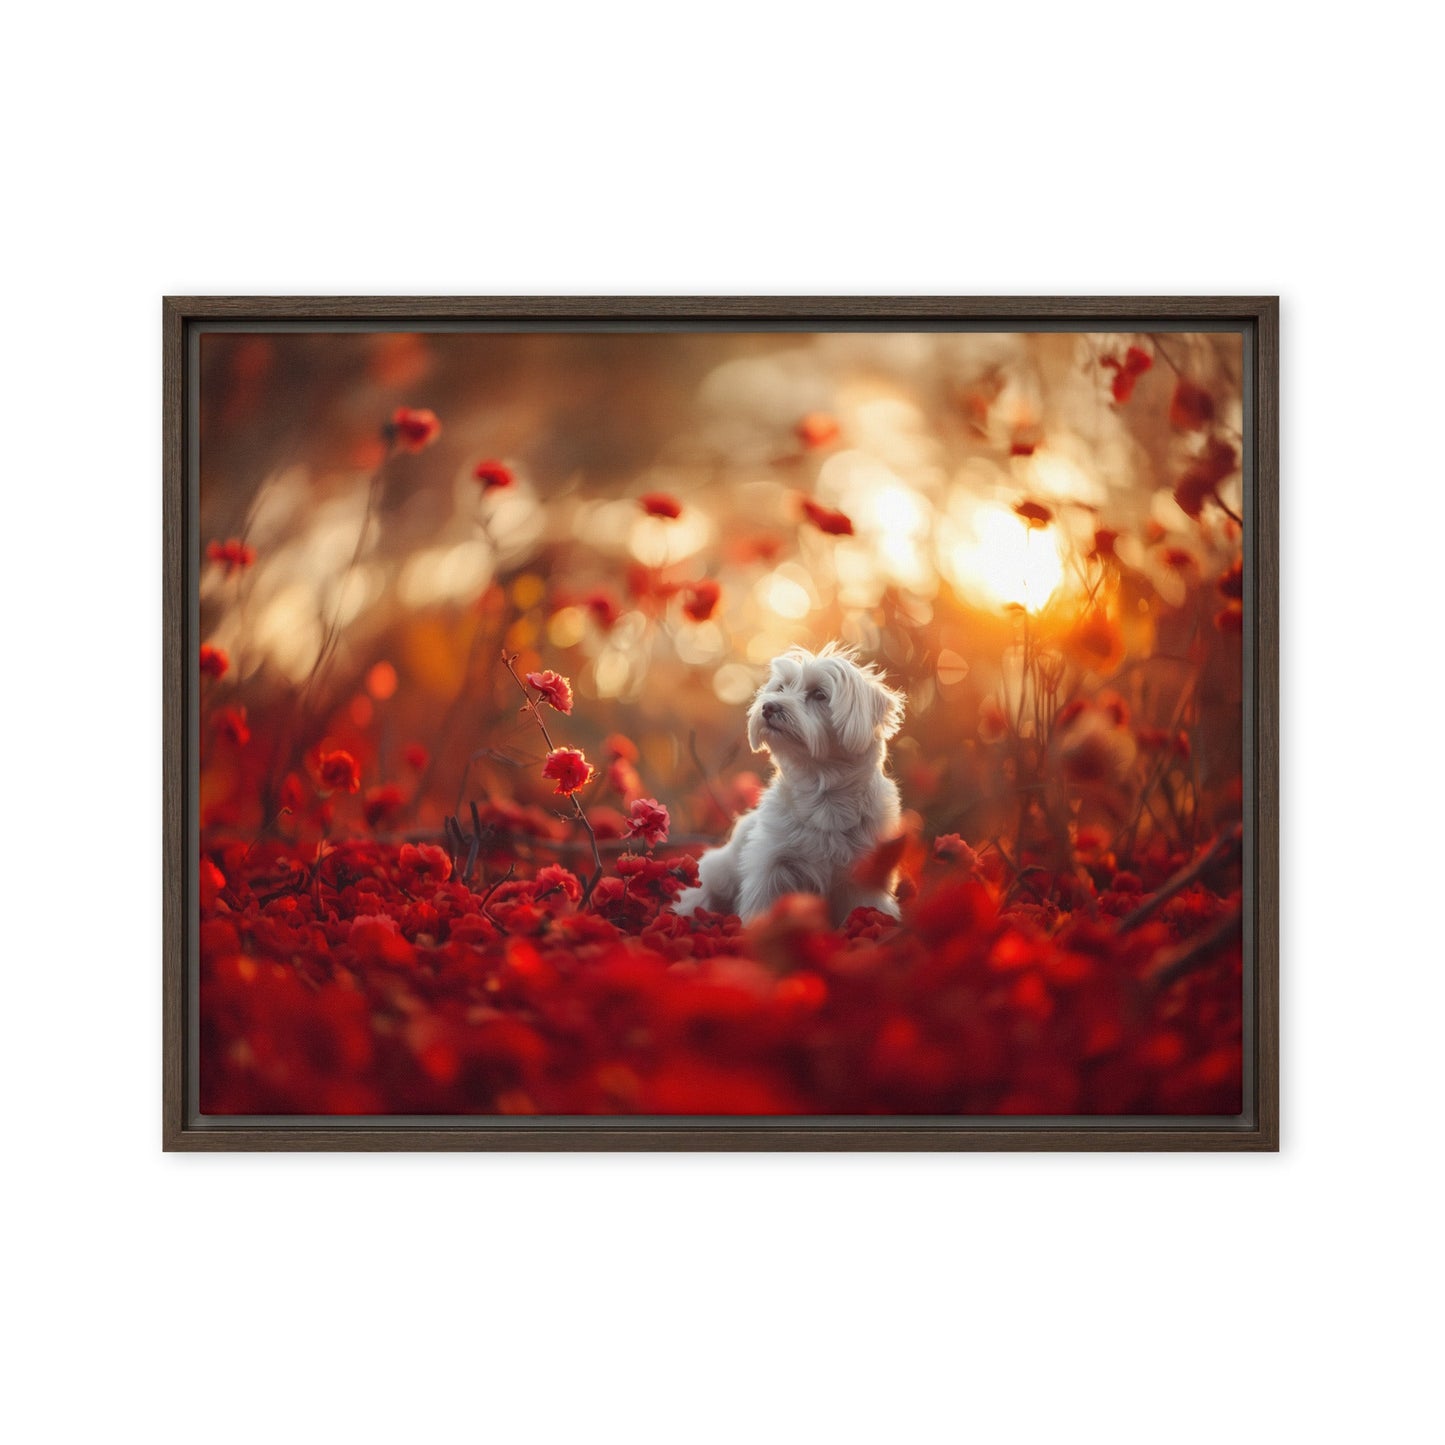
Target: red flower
818 429
603 609
648 820
1034 513
1204 475
878 867
338 772
415 756
1097 642
744 792
569 768
702 599
951 848
214 662
212 881
556 691
293 793
1127 372
375 938
992 722
1191 407
380 805
415 428
1115 707
233 555
623 779
1104 540
554 878
660 504
493 474
423 863
617 746
825 519
1075 708
231 724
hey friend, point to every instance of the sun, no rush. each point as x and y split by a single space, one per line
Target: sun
1007 561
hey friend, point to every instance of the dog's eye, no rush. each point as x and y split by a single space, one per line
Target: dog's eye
817 695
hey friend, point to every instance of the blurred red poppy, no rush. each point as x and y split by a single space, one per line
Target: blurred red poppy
1230 619
493 475
1127 372
825 519
702 599
818 429
233 555
615 745
660 504
1204 474
414 428
381 804
214 662
1191 407
603 609
231 724
1034 513
338 772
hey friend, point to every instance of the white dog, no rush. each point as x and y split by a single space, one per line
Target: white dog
825 719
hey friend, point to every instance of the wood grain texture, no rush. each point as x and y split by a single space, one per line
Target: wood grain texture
1111 311
176 678
1264 741
1258 318
804 1136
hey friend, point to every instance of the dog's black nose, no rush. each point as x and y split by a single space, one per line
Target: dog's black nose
771 710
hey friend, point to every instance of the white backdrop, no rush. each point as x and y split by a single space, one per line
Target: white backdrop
743 148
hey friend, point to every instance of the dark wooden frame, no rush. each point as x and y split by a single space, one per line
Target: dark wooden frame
1258 319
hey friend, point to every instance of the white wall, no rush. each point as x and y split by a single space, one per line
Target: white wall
746 148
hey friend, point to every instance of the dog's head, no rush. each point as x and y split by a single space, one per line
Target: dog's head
823 707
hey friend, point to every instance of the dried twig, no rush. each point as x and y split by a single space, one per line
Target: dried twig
1220 851
1193 954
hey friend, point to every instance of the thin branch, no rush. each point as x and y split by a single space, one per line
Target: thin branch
1193 954
1226 508
1220 851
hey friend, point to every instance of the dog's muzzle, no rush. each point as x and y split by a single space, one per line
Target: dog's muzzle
772 711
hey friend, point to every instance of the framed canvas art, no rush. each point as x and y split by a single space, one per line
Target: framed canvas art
720 723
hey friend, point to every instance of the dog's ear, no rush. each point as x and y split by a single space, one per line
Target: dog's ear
864 708
893 704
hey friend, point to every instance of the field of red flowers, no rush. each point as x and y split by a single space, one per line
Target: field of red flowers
466 727
376 980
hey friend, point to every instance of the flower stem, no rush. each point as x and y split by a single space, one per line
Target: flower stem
532 706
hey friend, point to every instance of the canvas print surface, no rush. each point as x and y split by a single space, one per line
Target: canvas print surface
720 723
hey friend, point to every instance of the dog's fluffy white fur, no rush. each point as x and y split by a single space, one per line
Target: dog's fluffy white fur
825 718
